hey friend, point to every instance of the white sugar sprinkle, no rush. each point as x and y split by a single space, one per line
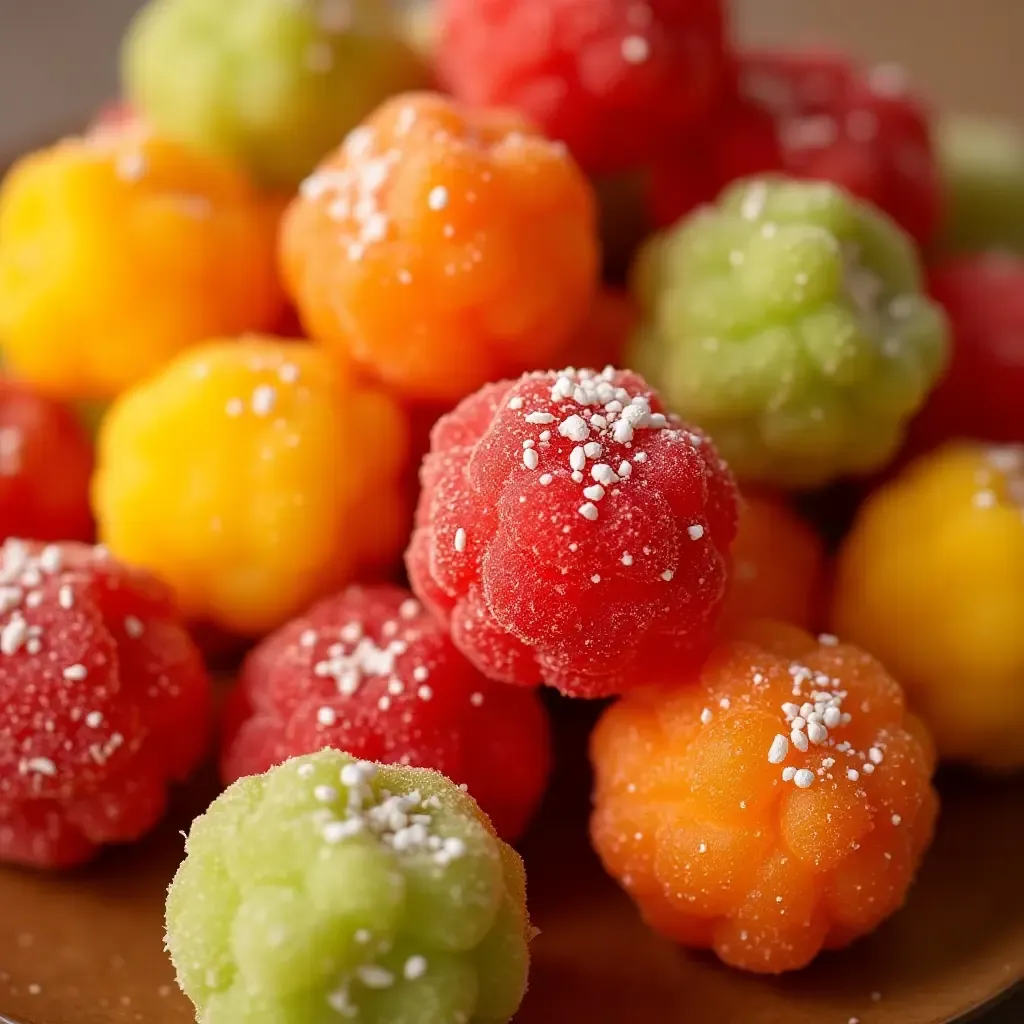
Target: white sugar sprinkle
326 715
531 460
263 399
852 774
589 511
415 967
788 773
94 719
705 716
438 198
695 532
875 755
133 627
545 479
75 672
778 750
667 575
896 819
516 403
803 778
460 540
66 597
373 976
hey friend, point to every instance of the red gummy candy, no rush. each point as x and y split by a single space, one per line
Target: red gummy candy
741 140
982 394
570 531
104 700
832 121
368 671
46 463
612 79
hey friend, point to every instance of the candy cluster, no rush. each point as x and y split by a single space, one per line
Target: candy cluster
331 368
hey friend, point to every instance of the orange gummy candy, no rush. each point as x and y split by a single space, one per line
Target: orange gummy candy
778 567
779 806
443 247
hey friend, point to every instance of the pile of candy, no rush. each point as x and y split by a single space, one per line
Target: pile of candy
275 320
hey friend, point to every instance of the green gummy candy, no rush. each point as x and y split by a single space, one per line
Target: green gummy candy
982 165
337 890
788 320
274 85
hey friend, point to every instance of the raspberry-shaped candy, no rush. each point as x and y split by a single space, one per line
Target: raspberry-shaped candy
788 321
443 247
121 249
930 581
740 140
778 567
570 531
614 79
982 167
254 476
331 889
45 466
859 129
104 701
272 84
369 671
982 395
778 807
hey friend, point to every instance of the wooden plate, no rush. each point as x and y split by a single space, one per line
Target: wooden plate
87 948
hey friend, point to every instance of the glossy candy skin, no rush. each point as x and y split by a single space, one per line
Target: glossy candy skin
696 820
369 671
929 580
273 85
286 451
119 250
441 247
591 578
309 894
788 320
104 702
615 81
46 461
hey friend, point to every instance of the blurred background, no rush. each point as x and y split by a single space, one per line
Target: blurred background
57 57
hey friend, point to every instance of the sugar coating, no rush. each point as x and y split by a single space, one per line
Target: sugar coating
730 835
369 671
790 321
393 901
545 572
98 722
434 221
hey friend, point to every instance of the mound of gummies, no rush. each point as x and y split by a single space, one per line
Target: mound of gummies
982 169
982 395
614 80
271 84
929 580
788 321
254 475
777 808
442 247
778 567
104 701
333 889
369 671
571 531
46 462
121 249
